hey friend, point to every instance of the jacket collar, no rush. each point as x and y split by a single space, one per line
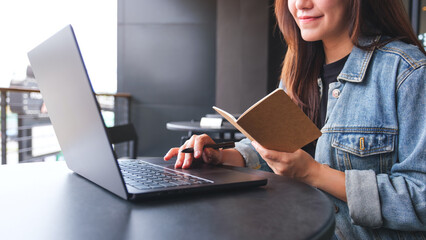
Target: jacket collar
358 61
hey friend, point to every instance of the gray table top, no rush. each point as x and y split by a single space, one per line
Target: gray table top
48 201
194 126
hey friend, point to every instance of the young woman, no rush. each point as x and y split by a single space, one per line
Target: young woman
357 70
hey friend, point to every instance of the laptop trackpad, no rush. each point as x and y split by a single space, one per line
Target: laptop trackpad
218 174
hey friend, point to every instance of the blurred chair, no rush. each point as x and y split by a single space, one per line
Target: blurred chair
124 133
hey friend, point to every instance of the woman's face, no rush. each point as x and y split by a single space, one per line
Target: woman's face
320 19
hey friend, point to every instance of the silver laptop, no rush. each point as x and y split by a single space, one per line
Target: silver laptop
75 115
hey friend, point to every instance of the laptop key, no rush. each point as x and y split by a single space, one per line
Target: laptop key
142 187
168 184
182 183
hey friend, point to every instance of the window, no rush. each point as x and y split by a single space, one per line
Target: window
26 23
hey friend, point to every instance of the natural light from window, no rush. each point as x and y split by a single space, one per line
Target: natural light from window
26 23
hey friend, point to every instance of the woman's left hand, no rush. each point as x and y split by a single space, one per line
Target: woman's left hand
301 166
298 165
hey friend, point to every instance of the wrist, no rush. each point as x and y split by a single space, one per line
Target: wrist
231 157
314 176
220 157
329 180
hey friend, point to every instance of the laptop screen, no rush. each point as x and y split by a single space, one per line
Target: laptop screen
74 111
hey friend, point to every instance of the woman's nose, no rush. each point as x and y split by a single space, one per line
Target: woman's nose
303 4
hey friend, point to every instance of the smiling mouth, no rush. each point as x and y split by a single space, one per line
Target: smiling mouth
308 19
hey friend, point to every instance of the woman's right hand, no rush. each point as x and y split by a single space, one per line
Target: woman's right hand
184 160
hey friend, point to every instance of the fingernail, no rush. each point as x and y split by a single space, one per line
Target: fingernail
197 154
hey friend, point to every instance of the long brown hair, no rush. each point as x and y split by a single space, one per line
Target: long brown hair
303 60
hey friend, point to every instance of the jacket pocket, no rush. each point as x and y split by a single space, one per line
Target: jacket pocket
364 144
364 150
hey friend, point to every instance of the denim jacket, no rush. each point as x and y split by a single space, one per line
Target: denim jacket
375 132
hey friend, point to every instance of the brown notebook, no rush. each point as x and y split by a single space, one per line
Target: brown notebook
276 123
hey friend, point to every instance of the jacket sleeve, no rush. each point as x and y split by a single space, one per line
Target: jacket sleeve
397 200
251 157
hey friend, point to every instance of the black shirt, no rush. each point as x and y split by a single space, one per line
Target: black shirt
329 74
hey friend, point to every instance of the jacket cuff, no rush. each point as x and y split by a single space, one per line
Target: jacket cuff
363 198
250 156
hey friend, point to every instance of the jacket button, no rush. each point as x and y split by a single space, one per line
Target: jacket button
336 208
336 93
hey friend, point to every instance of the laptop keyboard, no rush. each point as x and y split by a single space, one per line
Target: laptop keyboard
145 176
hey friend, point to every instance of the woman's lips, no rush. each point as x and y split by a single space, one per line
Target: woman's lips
308 19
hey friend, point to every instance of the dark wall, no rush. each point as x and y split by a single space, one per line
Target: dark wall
249 54
276 50
242 53
166 60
